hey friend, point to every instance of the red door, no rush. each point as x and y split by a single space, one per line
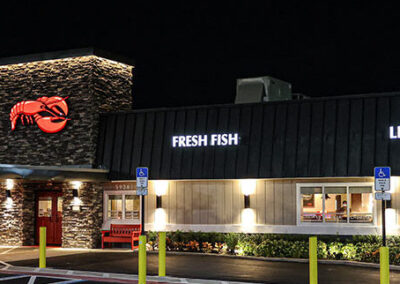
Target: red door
49 215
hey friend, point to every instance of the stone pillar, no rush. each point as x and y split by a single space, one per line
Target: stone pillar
81 229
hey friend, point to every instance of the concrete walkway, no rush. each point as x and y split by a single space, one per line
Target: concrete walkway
195 266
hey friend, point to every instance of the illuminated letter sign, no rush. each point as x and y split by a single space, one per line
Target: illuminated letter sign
50 114
224 139
394 132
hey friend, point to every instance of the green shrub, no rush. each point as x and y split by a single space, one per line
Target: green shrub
231 240
358 248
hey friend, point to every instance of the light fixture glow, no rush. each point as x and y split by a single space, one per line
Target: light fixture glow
76 184
248 219
394 184
391 220
160 219
160 187
9 184
248 186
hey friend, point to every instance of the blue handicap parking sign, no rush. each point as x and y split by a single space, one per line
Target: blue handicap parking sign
382 172
142 173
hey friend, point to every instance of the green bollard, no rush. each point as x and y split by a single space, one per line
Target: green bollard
142 259
384 264
162 244
313 244
42 247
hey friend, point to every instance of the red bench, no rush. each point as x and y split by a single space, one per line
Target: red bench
119 233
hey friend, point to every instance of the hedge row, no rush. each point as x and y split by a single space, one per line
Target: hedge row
357 248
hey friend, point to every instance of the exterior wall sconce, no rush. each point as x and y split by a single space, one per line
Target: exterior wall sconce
248 186
76 203
246 201
158 202
9 187
160 187
160 217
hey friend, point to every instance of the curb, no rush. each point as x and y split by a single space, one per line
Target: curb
105 277
393 267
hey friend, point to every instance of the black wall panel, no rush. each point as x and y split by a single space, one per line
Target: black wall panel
325 137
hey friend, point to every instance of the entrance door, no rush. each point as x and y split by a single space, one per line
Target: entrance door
49 215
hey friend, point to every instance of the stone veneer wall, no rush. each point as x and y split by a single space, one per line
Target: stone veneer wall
92 84
81 229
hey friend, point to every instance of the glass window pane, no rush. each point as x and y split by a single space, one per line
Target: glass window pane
114 206
45 205
361 206
132 207
59 206
311 190
360 189
336 204
336 189
311 204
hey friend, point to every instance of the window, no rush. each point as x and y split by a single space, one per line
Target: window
122 205
132 207
114 207
335 203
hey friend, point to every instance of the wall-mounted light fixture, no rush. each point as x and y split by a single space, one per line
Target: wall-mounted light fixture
160 217
9 187
76 203
248 186
246 201
9 184
158 202
160 187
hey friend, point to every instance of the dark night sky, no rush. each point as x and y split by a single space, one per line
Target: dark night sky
192 53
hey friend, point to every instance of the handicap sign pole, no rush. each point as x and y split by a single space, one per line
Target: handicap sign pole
142 178
382 184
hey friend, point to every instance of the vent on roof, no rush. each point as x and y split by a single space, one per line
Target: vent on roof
262 89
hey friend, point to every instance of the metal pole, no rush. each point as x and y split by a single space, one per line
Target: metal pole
42 247
313 260
383 223
161 253
142 259
142 221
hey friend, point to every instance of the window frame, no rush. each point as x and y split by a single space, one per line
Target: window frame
334 184
123 193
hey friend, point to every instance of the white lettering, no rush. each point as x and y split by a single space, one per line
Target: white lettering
195 140
188 141
203 140
181 141
174 141
394 132
233 139
223 139
214 138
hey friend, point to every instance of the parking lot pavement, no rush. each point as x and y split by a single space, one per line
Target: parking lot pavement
200 266
34 279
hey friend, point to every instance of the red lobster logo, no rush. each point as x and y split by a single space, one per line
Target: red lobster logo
50 114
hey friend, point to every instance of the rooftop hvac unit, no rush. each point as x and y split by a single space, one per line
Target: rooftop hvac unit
262 89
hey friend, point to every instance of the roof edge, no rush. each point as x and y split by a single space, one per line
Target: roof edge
67 53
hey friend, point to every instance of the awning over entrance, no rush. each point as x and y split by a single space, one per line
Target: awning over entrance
53 173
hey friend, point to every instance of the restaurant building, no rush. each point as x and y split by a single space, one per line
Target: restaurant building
266 164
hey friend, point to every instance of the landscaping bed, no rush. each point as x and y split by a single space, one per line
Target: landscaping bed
356 248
